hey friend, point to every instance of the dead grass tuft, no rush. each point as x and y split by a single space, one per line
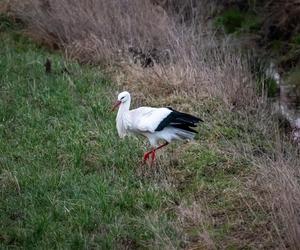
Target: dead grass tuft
279 178
3 7
107 26
191 216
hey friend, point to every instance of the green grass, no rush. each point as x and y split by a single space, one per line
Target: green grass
66 178
236 21
68 181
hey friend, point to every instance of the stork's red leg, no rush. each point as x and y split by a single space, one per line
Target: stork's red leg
161 146
153 156
153 153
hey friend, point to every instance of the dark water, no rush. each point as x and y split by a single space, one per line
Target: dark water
289 102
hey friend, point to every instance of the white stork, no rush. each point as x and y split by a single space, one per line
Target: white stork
154 123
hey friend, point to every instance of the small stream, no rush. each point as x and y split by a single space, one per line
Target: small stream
288 102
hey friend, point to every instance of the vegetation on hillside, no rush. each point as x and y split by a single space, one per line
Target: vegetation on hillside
272 27
68 181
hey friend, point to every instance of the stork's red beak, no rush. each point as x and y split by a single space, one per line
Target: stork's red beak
117 104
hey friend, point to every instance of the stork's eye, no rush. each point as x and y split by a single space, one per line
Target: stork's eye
122 97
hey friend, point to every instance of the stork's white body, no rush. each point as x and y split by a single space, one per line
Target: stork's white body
145 121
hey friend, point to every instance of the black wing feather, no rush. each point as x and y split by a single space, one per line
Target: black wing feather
179 120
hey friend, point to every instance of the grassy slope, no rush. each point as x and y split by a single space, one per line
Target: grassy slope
282 45
65 176
68 181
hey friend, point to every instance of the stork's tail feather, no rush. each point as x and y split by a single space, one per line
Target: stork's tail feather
185 134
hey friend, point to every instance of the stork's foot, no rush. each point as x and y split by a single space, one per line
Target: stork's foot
147 155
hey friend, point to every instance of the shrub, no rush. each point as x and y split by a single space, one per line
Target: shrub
231 20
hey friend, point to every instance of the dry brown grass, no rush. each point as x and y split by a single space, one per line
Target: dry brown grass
83 26
101 32
3 7
279 178
200 67
275 183
191 216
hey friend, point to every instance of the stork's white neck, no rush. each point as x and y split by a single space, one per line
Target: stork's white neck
124 107
123 119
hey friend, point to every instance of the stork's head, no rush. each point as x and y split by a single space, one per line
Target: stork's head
122 98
